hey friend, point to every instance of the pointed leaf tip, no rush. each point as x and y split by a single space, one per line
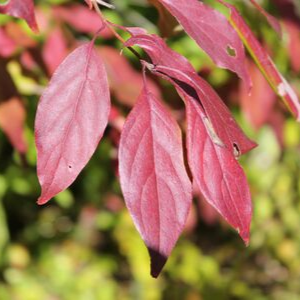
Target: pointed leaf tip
70 121
158 261
154 181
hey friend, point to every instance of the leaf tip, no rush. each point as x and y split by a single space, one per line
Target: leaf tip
245 235
158 261
42 200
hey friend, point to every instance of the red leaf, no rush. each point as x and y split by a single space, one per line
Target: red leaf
218 135
258 105
212 32
216 172
125 82
55 50
265 63
70 121
12 119
7 45
272 21
23 9
293 30
82 19
154 181
178 70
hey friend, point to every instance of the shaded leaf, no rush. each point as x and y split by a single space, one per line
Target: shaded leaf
166 22
70 121
153 178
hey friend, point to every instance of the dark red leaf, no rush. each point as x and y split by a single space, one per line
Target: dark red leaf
153 178
178 70
216 172
218 136
23 9
166 23
70 121
213 33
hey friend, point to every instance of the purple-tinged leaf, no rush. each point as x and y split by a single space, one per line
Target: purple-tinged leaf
23 9
70 121
153 178
213 33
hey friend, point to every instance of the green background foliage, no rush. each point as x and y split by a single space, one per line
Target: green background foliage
82 245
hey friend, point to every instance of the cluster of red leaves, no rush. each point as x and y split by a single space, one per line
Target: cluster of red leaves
74 111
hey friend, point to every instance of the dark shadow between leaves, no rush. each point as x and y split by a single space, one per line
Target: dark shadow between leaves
158 261
185 87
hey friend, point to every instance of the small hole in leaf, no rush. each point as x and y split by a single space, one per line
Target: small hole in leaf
231 51
70 167
236 151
